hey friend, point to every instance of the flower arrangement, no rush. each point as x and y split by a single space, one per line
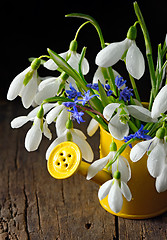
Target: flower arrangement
108 100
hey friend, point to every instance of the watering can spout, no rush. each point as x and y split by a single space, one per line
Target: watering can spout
66 159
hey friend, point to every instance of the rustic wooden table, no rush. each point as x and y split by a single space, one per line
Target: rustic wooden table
33 205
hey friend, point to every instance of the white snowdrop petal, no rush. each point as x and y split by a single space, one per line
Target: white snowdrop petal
97 166
79 133
92 127
126 191
51 65
61 122
29 91
16 85
53 114
141 113
19 121
117 129
46 131
98 76
49 91
84 146
111 54
58 140
46 82
161 180
160 103
104 189
123 168
138 151
33 138
115 199
109 110
156 160
135 63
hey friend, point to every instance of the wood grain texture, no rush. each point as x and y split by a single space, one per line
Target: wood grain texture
35 206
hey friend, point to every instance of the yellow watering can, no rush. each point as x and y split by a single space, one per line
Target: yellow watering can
66 159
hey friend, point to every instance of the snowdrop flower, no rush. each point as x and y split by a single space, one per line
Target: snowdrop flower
49 87
160 103
111 54
115 188
118 124
25 84
156 153
72 57
121 164
77 137
161 180
34 135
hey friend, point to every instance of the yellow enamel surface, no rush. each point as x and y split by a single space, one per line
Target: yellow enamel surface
146 201
64 160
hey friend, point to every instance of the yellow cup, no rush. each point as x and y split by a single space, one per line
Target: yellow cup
146 201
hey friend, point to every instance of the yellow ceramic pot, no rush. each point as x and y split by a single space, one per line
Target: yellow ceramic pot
146 201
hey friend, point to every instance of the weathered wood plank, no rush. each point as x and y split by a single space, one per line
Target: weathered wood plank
33 205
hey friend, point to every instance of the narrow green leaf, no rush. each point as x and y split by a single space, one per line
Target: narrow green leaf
56 99
103 96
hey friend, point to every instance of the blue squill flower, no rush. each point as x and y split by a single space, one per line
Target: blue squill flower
125 94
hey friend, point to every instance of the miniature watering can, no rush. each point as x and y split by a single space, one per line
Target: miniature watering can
66 159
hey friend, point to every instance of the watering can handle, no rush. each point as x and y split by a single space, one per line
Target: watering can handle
66 159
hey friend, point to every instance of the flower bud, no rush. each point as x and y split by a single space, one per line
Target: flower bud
69 124
132 33
40 113
160 133
73 46
117 175
36 63
113 147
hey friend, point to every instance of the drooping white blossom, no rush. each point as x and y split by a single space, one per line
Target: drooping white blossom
118 124
111 54
73 61
115 189
160 103
77 137
26 92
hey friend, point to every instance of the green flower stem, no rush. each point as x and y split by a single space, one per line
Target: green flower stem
120 150
90 19
148 49
76 35
134 88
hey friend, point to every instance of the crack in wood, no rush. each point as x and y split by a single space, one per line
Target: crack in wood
25 213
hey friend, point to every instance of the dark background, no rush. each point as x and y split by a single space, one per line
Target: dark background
28 28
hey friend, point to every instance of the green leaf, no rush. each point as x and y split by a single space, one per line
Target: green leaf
103 96
56 99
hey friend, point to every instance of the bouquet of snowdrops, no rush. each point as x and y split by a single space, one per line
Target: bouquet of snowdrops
108 100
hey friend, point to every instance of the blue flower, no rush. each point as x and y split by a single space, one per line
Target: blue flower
93 86
73 92
125 94
119 82
87 97
139 134
69 104
77 115
96 87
